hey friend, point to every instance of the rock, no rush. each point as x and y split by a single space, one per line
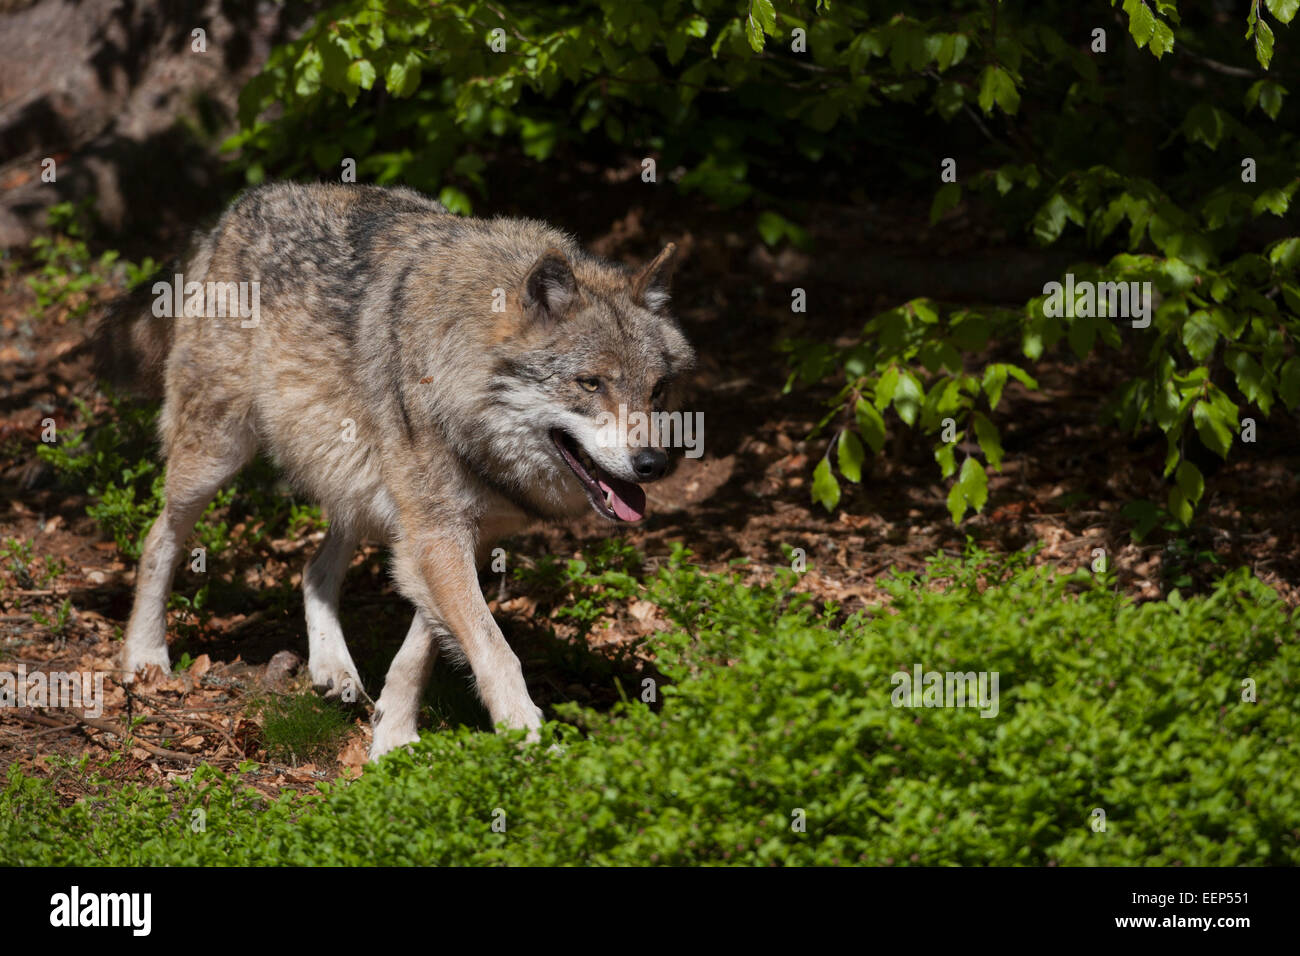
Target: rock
105 89
281 668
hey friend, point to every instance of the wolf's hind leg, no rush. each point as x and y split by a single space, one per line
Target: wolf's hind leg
195 472
328 662
395 717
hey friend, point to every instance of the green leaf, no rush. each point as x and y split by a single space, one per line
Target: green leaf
946 197
923 310
825 489
766 12
1004 180
946 457
997 87
771 227
761 20
307 74
1165 406
1271 200
1082 335
851 456
1190 480
1268 95
675 45
1288 388
395 77
1284 10
1199 335
1023 377
986 433
1162 41
1179 506
362 73
1051 218
871 424
1251 378
1263 43
956 502
456 201
974 483
403 76
885 387
1204 124
995 378
1141 21
907 397
1286 254
952 49
1213 428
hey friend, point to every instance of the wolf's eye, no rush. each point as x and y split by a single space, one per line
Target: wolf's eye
590 383
658 394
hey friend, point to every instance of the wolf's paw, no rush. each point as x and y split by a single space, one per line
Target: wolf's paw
337 682
389 736
525 715
137 659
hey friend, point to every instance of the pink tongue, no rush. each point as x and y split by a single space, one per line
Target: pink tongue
628 499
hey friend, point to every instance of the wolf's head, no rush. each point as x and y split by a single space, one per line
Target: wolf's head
583 384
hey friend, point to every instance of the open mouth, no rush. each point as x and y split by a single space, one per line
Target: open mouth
614 498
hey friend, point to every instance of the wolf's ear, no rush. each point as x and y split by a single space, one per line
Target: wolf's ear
549 288
650 285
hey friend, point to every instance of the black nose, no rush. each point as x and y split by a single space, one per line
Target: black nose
649 464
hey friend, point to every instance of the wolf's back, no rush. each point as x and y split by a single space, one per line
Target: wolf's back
349 251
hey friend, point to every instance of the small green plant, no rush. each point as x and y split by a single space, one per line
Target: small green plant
193 613
68 271
58 624
28 570
301 727
306 518
111 460
587 588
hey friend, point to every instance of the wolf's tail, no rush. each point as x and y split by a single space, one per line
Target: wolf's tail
130 344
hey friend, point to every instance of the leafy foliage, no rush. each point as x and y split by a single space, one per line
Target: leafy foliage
67 269
778 707
1220 346
588 588
28 570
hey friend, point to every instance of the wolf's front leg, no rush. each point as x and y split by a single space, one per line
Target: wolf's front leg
329 663
438 574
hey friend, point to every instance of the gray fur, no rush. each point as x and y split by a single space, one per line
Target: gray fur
376 306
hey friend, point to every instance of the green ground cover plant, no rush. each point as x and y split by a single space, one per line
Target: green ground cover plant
777 742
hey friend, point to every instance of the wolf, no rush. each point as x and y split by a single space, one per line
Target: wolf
434 382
